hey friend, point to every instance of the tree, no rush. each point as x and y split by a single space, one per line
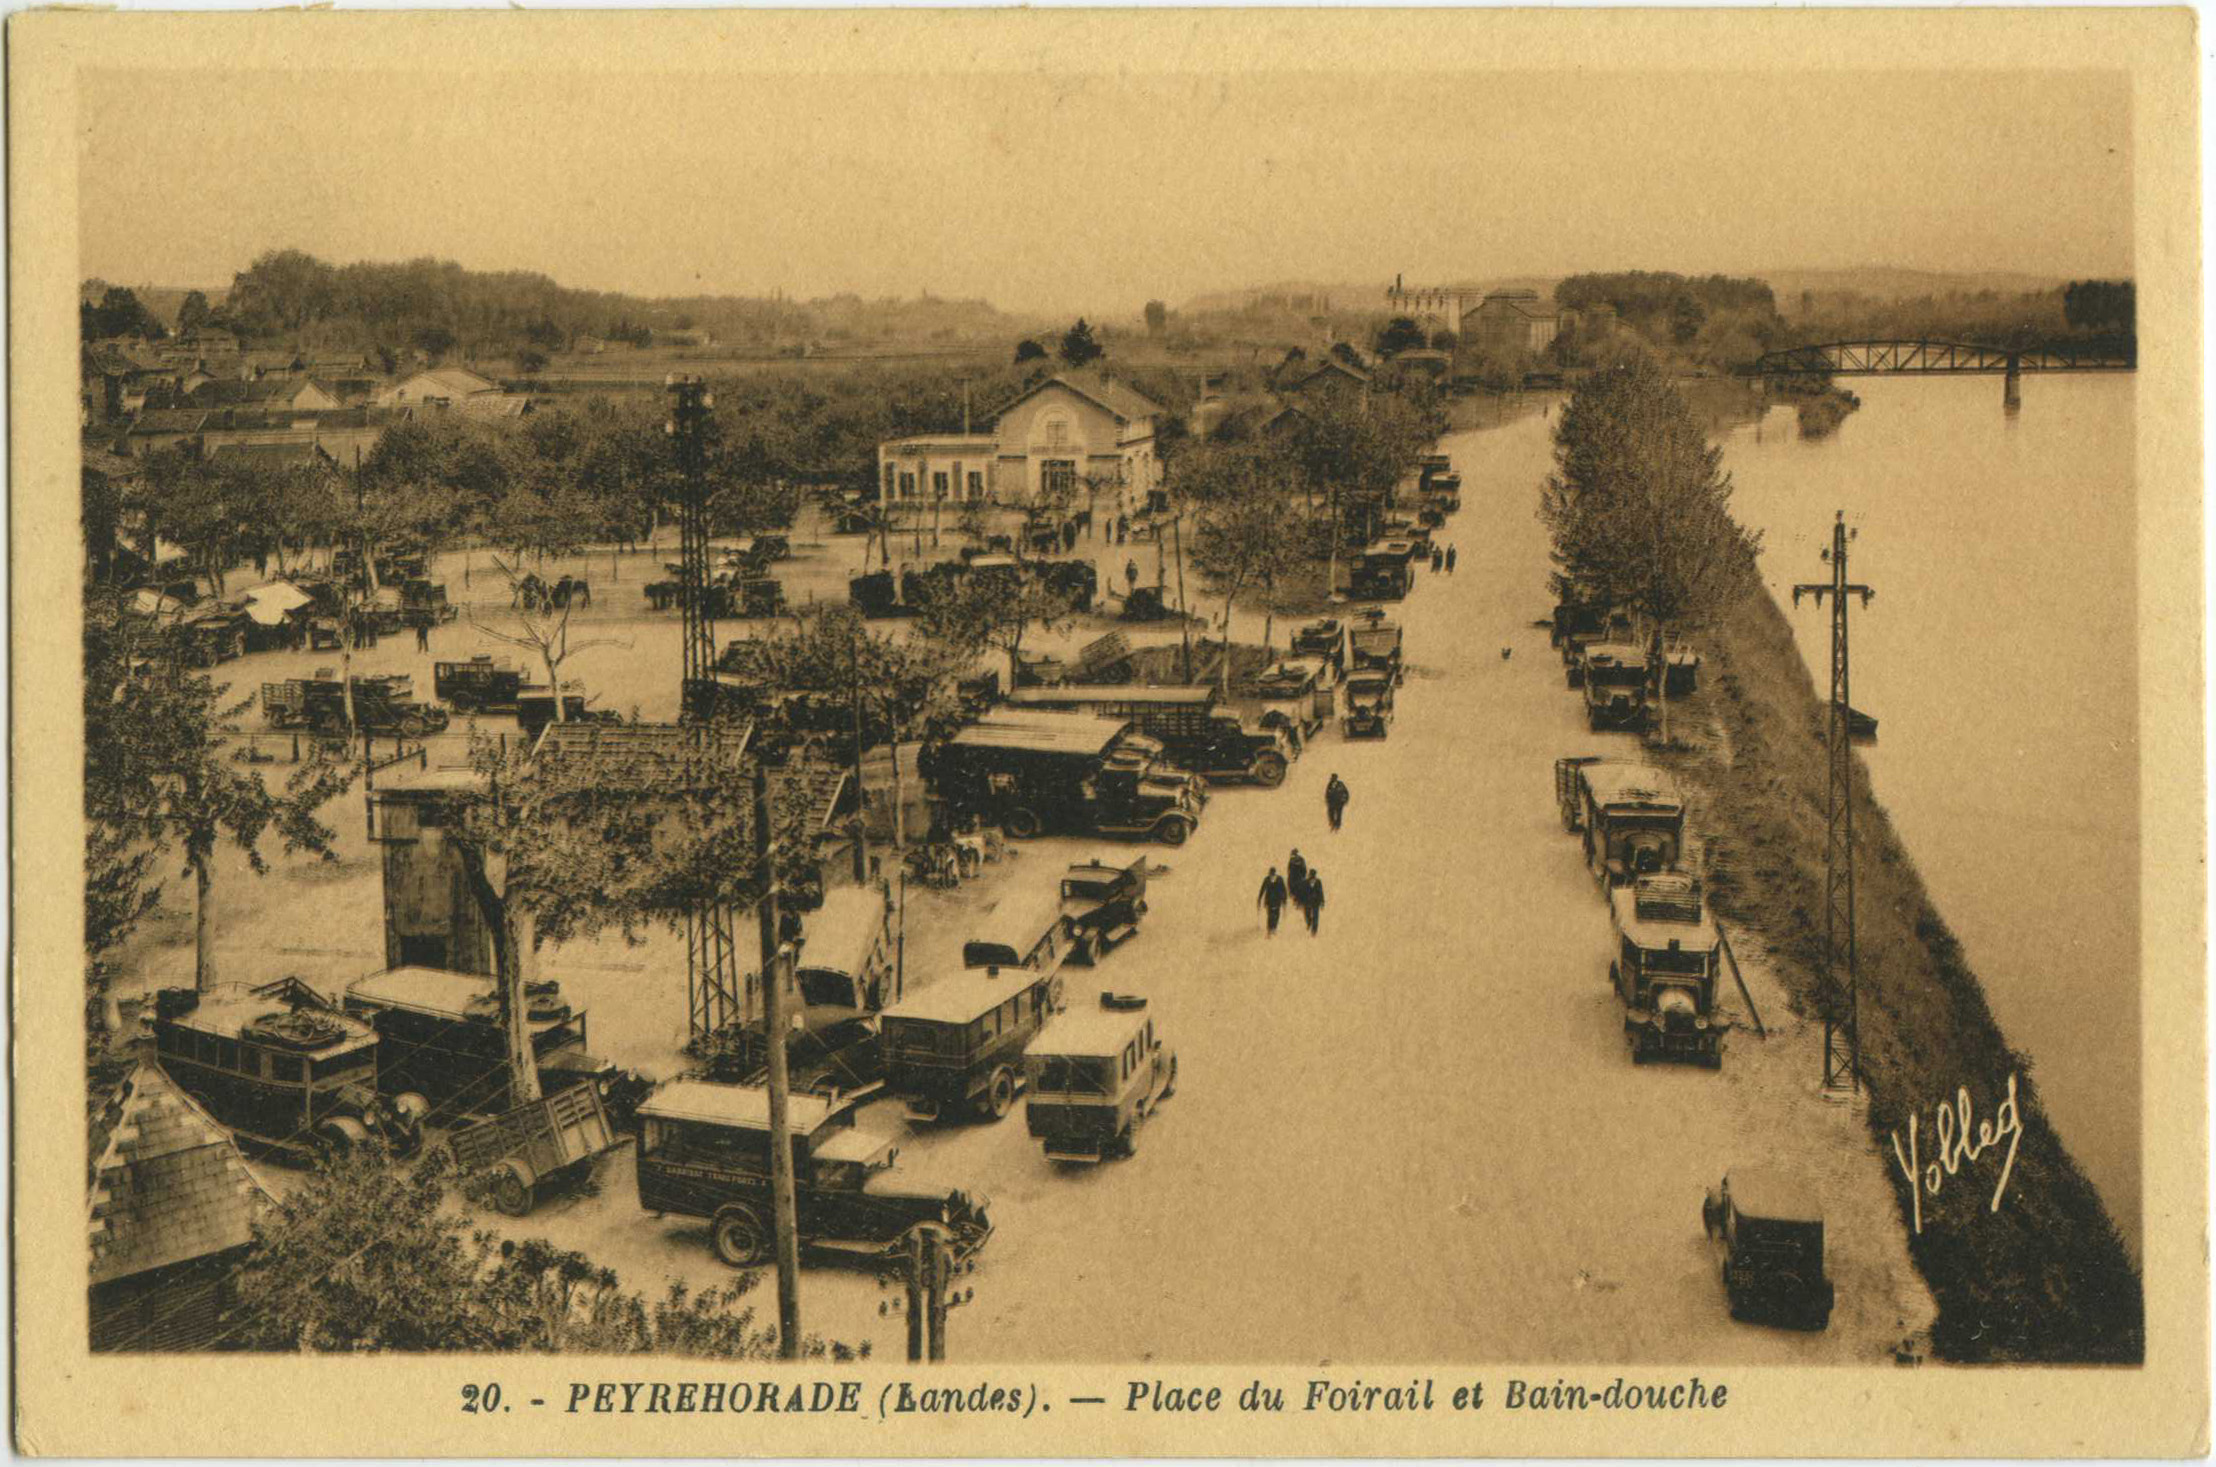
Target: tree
1028 350
192 312
1639 508
898 682
1246 532
366 1255
531 361
1686 319
993 610
119 313
1157 318
160 777
1078 346
1399 334
434 341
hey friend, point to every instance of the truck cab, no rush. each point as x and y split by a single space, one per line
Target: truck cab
442 1038
704 1152
1769 1231
1368 705
480 683
1616 683
1668 960
1102 903
1095 1078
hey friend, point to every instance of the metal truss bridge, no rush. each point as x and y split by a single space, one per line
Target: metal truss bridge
1914 358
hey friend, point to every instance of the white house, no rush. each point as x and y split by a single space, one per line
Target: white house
440 385
1063 434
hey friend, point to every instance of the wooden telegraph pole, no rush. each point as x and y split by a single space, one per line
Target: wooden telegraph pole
1842 1035
783 1221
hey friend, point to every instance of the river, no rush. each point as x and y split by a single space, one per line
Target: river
2000 656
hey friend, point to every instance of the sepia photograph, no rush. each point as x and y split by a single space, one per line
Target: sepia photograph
1210 722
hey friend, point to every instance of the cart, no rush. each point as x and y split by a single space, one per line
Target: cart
546 1138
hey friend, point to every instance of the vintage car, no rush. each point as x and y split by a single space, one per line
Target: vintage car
1771 1235
876 594
1325 638
1293 697
283 1070
442 1038
1376 645
704 1152
1668 960
480 683
956 1045
1190 723
535 709
1367 705
1615 681
1101 906
1630 815
1383 572
1094 1078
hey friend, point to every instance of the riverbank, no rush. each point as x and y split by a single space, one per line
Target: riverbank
2044 1276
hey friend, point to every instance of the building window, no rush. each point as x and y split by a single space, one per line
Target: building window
976 485
907 485
1058 476
938 485
888 481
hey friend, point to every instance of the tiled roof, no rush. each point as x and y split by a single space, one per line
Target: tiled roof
494 404
220 393
181 420
1124 402
272 455
645 748
170 1187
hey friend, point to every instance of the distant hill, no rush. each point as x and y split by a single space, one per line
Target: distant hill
1355 296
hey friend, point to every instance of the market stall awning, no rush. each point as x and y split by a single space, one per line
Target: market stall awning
269 604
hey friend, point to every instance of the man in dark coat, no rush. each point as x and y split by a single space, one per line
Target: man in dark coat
1438 557
422 621
1131 573
1310 898
1296 873
1272 900
1335 796
1450 560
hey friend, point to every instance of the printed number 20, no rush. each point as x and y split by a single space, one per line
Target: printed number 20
476 1399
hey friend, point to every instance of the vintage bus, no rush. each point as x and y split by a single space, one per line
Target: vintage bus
1094 1078
443 1039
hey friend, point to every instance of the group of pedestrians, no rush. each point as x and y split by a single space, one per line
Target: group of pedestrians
1301 883
1443 559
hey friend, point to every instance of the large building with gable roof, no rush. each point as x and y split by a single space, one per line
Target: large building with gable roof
1062 434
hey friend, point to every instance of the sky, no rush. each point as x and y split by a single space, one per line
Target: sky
1053 193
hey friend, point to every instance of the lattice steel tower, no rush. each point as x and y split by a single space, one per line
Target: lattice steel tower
717 990
1842 1035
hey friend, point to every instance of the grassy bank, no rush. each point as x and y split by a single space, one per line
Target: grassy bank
2044 1278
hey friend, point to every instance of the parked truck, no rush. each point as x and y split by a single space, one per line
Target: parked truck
1060 771
382 705
1198 733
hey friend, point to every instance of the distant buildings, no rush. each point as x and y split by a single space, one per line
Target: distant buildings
1054 438
1508 322
441 386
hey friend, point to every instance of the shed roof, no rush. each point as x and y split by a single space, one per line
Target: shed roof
1770 1193
734 1105
1095 1031
171 1185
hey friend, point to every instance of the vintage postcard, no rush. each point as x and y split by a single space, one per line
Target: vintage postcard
1175 733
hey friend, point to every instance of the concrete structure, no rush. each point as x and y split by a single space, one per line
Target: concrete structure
1059 435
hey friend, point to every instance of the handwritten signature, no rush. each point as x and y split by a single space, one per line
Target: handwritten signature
1951 1125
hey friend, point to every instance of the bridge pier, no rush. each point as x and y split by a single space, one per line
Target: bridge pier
2012 385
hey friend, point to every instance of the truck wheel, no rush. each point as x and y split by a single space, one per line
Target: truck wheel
510 1193
414 726
1268 770
1021 823
1088 949
738 1237
1172 832
1169 1086
1000 1096
340 1137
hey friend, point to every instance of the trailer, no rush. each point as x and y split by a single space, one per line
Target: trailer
552 1138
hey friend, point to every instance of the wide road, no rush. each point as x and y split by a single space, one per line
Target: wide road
1417 1136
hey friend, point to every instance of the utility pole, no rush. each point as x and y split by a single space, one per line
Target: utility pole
1184 618
1842 1035
783 1222
854 688
711 956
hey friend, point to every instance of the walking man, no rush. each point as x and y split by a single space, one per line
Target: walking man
1335 796
1311 900
1438 558
1450 560
422 631
1296 873
1131 574
1272 900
